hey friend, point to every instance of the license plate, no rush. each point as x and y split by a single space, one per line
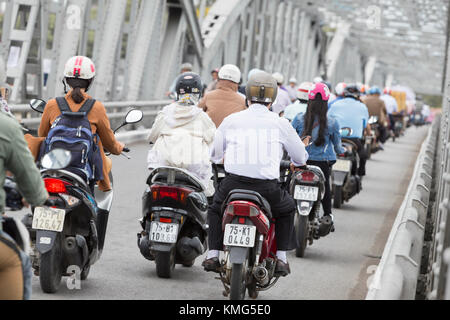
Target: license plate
48 219
164 232
306 193
237 235
342 165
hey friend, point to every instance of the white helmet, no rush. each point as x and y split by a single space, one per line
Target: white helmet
303 90
230 72
318 80
278 77
340 88
293 80
80 67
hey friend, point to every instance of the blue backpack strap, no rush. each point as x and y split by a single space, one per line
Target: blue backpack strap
87 106
63 105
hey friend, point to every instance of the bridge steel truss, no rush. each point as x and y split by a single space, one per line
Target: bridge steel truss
138 46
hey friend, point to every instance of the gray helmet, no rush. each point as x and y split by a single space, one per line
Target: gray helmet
262 87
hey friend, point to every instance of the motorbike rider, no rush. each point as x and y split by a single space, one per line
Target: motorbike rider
185 67
391 106
350 112
283 99
326 138
301 104
377 108
215 78
255 165
225 100
15 157
292 89
182 133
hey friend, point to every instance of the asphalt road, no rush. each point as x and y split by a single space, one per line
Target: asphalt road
336 267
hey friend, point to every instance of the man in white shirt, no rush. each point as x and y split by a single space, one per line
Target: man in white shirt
283 99
250 144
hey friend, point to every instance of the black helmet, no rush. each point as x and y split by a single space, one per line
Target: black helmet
189 83
352 91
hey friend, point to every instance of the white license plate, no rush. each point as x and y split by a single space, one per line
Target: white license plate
239 235
306 193
163 232
48 219
343 165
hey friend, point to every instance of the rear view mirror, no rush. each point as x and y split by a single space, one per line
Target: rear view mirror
134 116
57 159
346 132
38 105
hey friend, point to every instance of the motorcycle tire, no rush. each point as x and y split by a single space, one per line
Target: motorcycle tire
85 273
50 268
165 264
237 283
301 233
188 264
369 152
337 201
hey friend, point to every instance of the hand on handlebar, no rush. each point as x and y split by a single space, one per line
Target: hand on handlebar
295 169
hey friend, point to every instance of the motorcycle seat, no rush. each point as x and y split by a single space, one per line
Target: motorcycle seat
251 196
180 178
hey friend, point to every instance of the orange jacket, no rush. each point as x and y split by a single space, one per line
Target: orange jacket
99 123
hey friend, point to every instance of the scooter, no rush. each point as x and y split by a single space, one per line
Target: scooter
307 187
346 184
174 229
68 232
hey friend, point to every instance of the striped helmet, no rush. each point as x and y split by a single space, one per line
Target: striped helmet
79 67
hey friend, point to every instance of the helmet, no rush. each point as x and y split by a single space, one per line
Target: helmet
374 90
279 78
303 90
352 91
322 89
230 72
79 67
318 80
187 66
189 83
340 88
252 72
292 80
262 87
328 84
362 88
387 90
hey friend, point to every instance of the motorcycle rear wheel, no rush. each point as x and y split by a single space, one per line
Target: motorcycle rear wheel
237 283
337 202
50 269
301 232
165 264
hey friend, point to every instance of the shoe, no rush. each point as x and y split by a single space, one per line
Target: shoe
212 265
282 269
326 226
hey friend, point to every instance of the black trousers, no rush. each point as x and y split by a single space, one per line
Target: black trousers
282 205
362 157
325 166
383 134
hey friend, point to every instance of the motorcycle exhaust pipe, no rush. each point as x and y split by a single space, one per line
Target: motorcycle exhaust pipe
261 275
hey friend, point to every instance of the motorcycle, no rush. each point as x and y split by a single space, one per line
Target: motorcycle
371 141
346 184
307 187
418 119
174 220
398 126
68 232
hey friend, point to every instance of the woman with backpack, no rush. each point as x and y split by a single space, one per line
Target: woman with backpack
326 138
79 74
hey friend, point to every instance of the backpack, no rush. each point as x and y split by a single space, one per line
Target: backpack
72 131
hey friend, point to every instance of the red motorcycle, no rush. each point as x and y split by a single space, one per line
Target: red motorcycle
249 245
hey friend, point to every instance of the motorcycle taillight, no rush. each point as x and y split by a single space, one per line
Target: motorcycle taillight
55 186
176 193
243 209
309 176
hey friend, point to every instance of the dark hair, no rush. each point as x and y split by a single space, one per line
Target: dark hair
316 109
77 85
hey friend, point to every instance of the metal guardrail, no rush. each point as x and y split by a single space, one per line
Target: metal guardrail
30 118
399 269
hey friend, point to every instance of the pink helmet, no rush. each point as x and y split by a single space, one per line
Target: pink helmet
322 89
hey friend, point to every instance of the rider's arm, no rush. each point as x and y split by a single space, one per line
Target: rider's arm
20 162
219 145
293 144
105 132
156 128
45 125
336 138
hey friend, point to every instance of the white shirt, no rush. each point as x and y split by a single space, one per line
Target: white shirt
390 102
250 143
282 101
